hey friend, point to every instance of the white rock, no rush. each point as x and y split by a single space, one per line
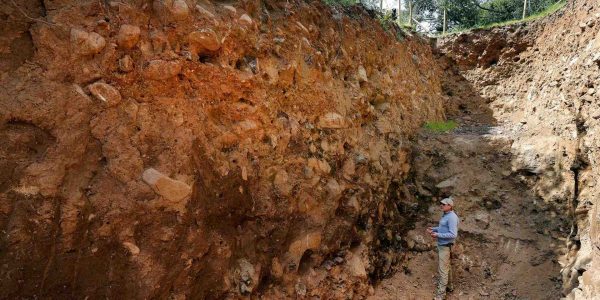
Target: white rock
170 189
482 218
245 19
204 11
447 183
362 74
356 267
180 10
203 41
332 120
230 8
133 249
86 43
106 93
160 69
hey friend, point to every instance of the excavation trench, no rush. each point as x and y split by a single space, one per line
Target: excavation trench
510 240
209 150
538 100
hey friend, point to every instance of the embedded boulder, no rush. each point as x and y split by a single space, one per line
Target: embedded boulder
128 36
86 43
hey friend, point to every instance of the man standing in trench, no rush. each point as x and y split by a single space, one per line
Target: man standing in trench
445 233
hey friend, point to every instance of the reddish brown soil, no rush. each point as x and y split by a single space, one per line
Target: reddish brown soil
290 130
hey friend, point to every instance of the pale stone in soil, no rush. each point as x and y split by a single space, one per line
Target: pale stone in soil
86 43
161 69
128 36
106 93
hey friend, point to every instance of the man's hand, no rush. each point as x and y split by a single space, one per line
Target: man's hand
429 230
434 234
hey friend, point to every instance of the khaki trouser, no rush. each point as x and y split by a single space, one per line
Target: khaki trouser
444 271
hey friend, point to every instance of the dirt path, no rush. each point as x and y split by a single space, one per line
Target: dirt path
508 240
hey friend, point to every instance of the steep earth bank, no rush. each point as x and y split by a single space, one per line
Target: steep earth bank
182 148
541 82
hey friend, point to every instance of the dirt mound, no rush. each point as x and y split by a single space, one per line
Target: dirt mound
174 148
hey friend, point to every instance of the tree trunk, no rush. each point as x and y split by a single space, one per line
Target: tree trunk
381 5
410 13
444 26
524 9
400 12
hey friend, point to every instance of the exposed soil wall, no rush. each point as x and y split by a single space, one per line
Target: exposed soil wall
169 149
541 81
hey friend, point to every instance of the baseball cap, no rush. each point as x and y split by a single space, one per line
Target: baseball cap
449 201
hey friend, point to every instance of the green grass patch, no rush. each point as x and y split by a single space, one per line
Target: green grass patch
440 126
548 11
341 2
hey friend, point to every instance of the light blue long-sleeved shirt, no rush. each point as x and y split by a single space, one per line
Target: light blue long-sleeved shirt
448 228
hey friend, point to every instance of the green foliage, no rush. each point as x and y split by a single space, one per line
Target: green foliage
501 10
386 20
549 10
460 13
342 2
466 14
440 126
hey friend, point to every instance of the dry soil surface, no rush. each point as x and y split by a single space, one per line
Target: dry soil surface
507 247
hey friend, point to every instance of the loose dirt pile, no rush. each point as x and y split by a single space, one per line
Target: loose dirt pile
170 149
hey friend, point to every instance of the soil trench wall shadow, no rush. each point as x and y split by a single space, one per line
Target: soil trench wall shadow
543 92
503 220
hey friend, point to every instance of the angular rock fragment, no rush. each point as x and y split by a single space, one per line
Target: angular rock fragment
356 266
248 276
348 169
320 166
482 219
128 36
287 75
450 182
106 93
165 186
126 64
160 69
362 74
282 184
332 120
334 190
86 43
276 268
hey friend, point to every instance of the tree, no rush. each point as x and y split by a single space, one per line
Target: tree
420 9
399 11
